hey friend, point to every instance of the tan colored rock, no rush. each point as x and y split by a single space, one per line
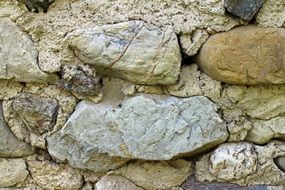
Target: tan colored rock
191 43
18 56
271 14
245 55
238 130
12 172
157 175
264 130
133 50
266 171
51 176
113 182
259 102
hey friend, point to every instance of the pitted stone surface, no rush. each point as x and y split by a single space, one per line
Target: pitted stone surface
142 127
130 50
233 161
267 170
52 176
12 172
245 55
18 55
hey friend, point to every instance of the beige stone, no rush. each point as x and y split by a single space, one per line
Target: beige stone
51 176
18 56
245 55
264 130
157 175
271 14
264 169
113 182
12 172
259 102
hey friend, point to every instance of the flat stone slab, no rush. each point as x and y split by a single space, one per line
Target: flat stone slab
245 9
143 127
132 50
245 55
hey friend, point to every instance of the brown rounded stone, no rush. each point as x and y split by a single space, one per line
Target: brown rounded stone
245 55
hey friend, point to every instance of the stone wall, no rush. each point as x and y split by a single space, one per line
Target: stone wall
133 95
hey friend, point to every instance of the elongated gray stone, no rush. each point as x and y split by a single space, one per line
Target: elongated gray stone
18 55
245 9
130 50
143 127
10 146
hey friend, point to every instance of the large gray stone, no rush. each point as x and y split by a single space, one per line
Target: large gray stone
245 9
142 127
18 55
10 146
132 50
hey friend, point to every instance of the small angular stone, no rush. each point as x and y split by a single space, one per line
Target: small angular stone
115 183
245 9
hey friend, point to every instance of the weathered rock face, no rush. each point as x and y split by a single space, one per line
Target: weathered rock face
10 146
131 50
38 114
157 175
142 127
115 183
258 102
12 172
263 131
245 55
80 80
245 9
18 55
260 172
230 161
51 176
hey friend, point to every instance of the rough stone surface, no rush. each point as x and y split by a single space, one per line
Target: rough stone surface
138 128
264 130
81 80
193 184
258 102
10 146
113 182
42 93
245 55
266 173
37 114
191 43
130 50
157 175
271 14
232 161
18 55
192 82
12 172
245 9
51 176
